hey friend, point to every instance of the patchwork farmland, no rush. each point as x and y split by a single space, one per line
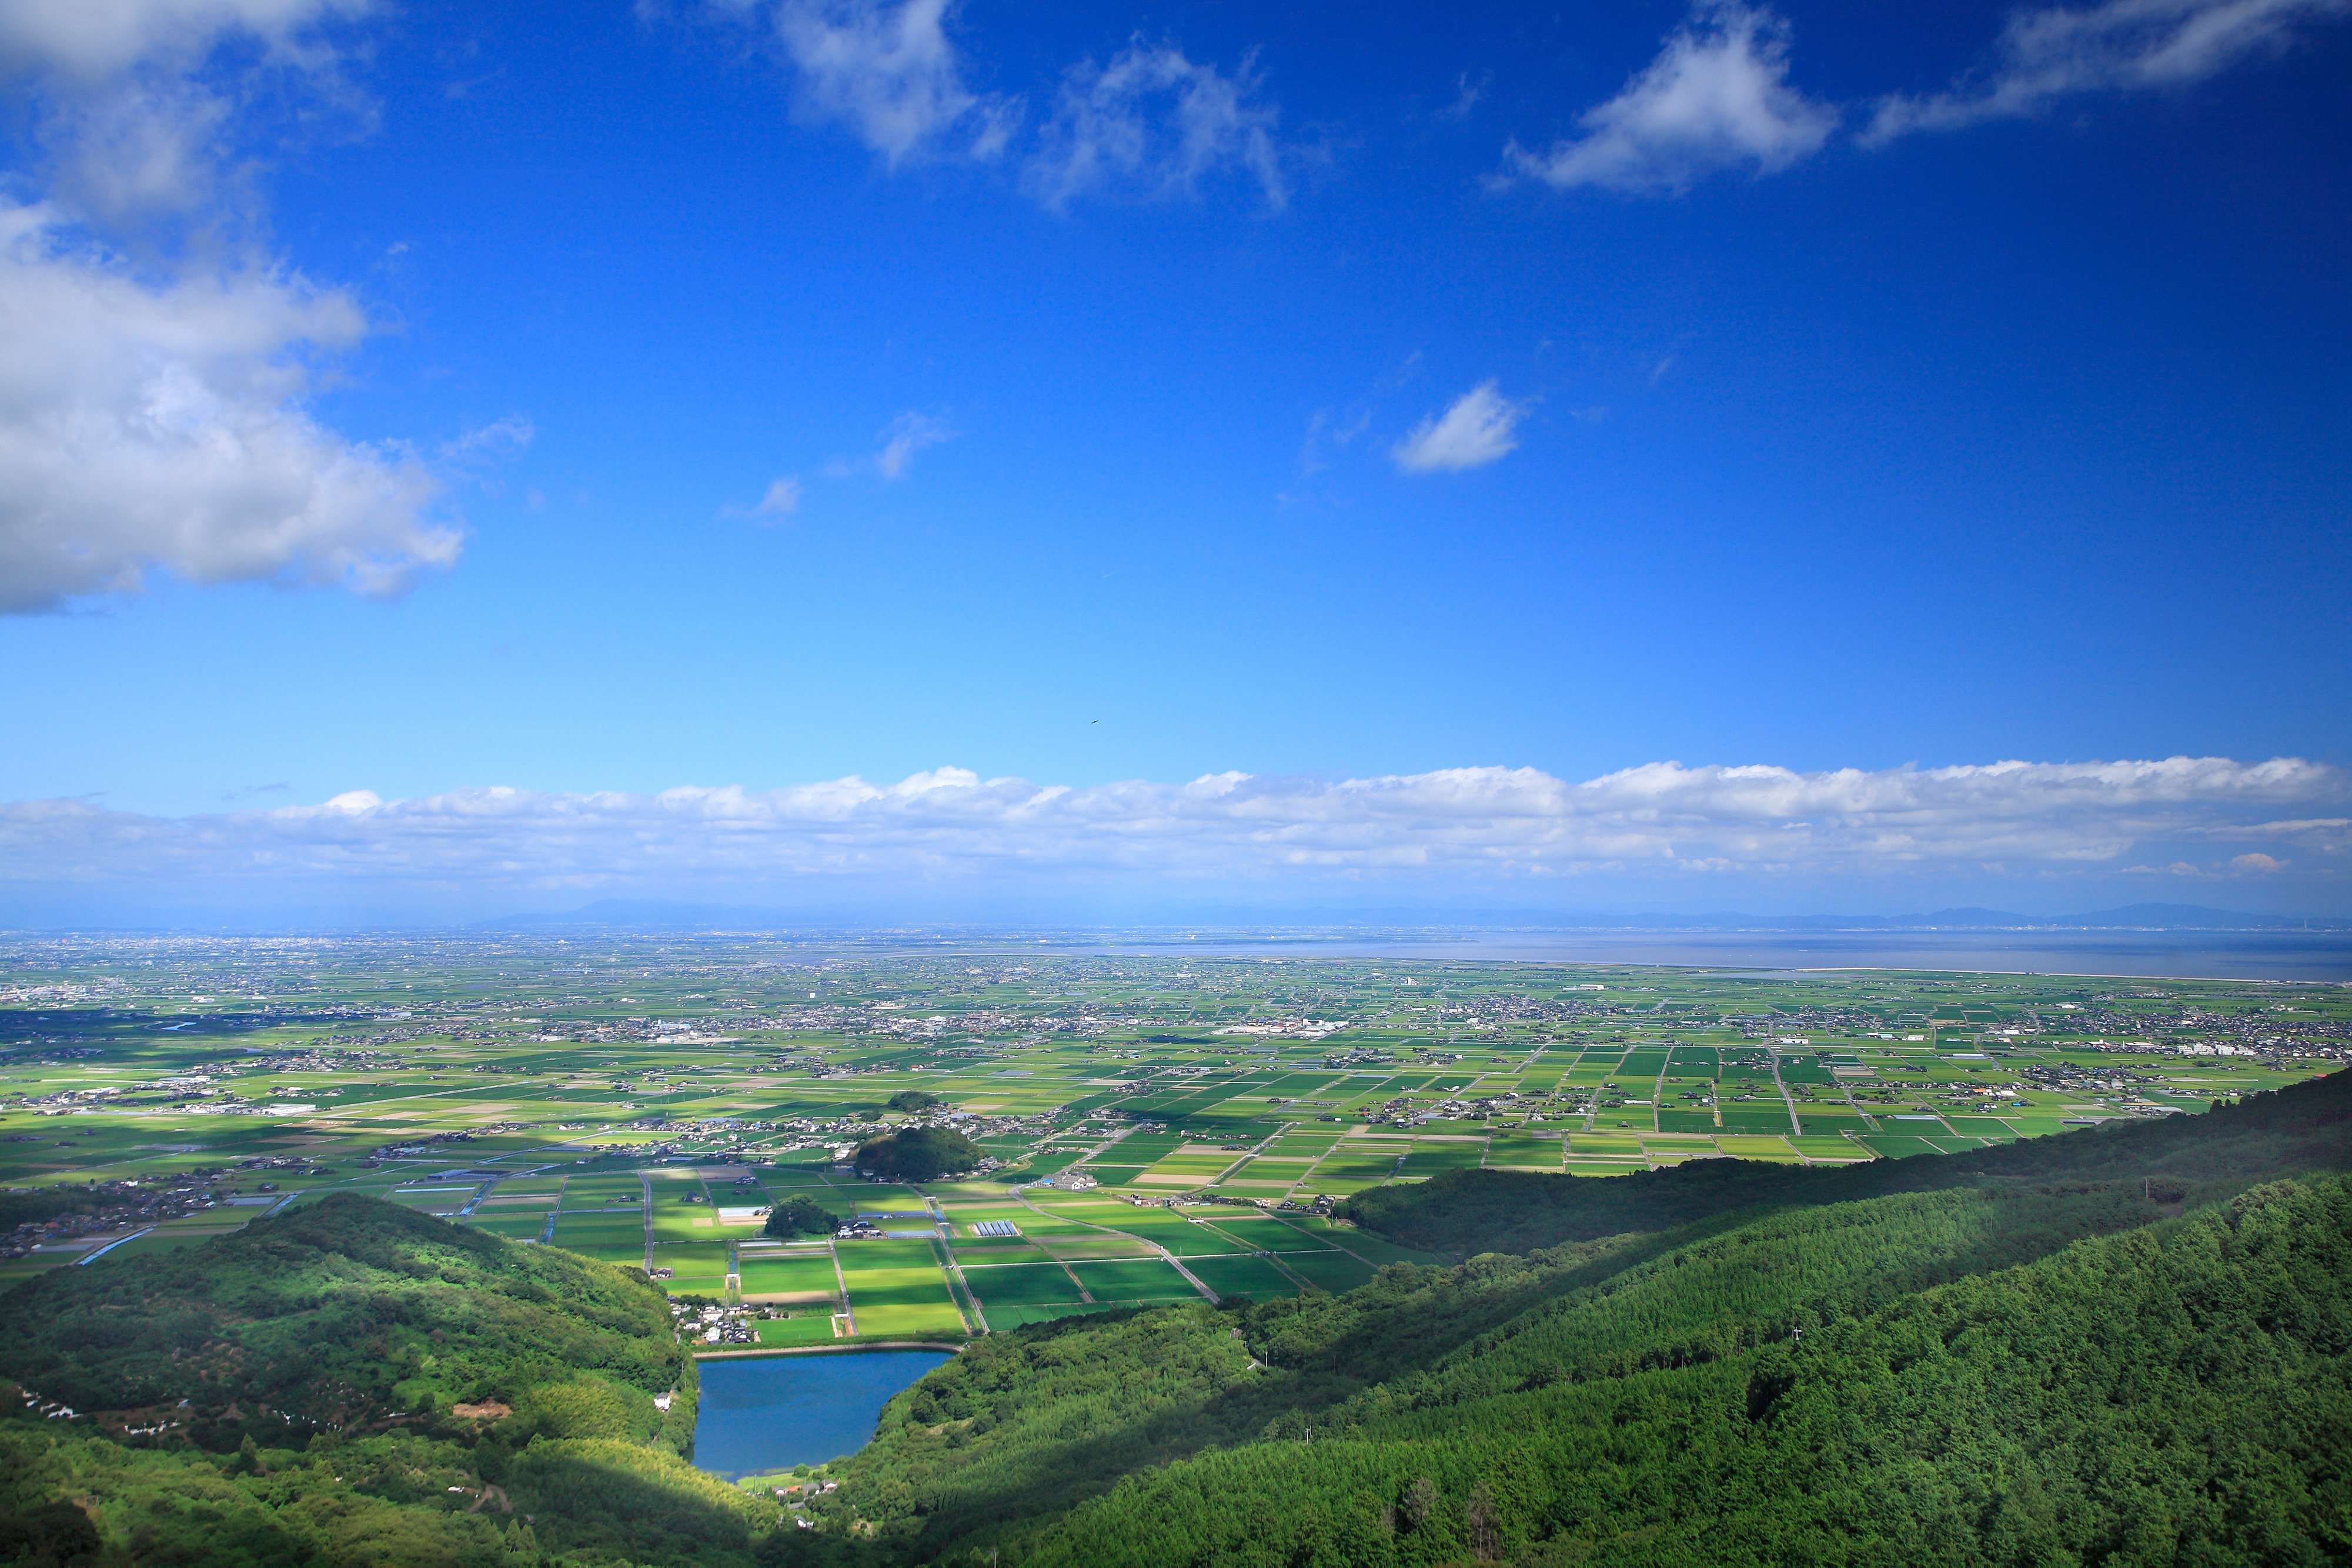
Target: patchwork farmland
1156 1128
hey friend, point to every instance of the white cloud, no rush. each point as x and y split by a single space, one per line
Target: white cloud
1477 430
1154 119
903 437
2049 55
1151 121
132 116
150 425
94 39
476 452
780 500
1717 97
154 373
1456 826
891 74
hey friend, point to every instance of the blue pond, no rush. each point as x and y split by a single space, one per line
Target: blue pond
774 1412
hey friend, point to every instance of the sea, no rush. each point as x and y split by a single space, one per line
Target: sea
2302 956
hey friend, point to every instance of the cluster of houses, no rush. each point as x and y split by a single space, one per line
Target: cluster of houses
714 1324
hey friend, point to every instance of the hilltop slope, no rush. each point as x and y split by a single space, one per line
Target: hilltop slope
1191 1434
2177 1393
2131 1345
340 1383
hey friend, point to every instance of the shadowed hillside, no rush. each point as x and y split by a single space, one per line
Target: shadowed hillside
1462 1212
2127 1346
313 1387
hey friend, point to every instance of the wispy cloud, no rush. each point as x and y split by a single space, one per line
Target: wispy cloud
1461 826
1467 96
780 500
891 74
1478 428
1326 431
1717 98
1155 122
2047 55
903 437
897 443
1152 122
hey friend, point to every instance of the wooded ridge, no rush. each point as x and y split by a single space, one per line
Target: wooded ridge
2118 1346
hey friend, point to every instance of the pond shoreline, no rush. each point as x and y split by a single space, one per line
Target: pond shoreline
839 1347
761 1413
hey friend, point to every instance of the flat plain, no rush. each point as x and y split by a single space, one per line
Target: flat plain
644 1099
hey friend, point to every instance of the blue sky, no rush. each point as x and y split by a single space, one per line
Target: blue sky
415 399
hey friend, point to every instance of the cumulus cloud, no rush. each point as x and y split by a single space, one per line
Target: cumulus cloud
1462 825
1154 119
94 41
154 371
1478 428
149 425
129 111
2047 55
1717 98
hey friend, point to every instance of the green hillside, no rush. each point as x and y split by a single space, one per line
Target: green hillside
2122 1346
357 1383
2176 1395
2104 1353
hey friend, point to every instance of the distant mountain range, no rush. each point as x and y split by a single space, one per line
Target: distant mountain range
661 914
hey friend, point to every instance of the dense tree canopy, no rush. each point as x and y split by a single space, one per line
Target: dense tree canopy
1673 1393
918 1153
310 1389
799 1215
2128 1347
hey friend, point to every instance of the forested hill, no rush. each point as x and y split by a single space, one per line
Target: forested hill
2176 1395
357 1383
2305 1126
2118 1347
2147 1366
